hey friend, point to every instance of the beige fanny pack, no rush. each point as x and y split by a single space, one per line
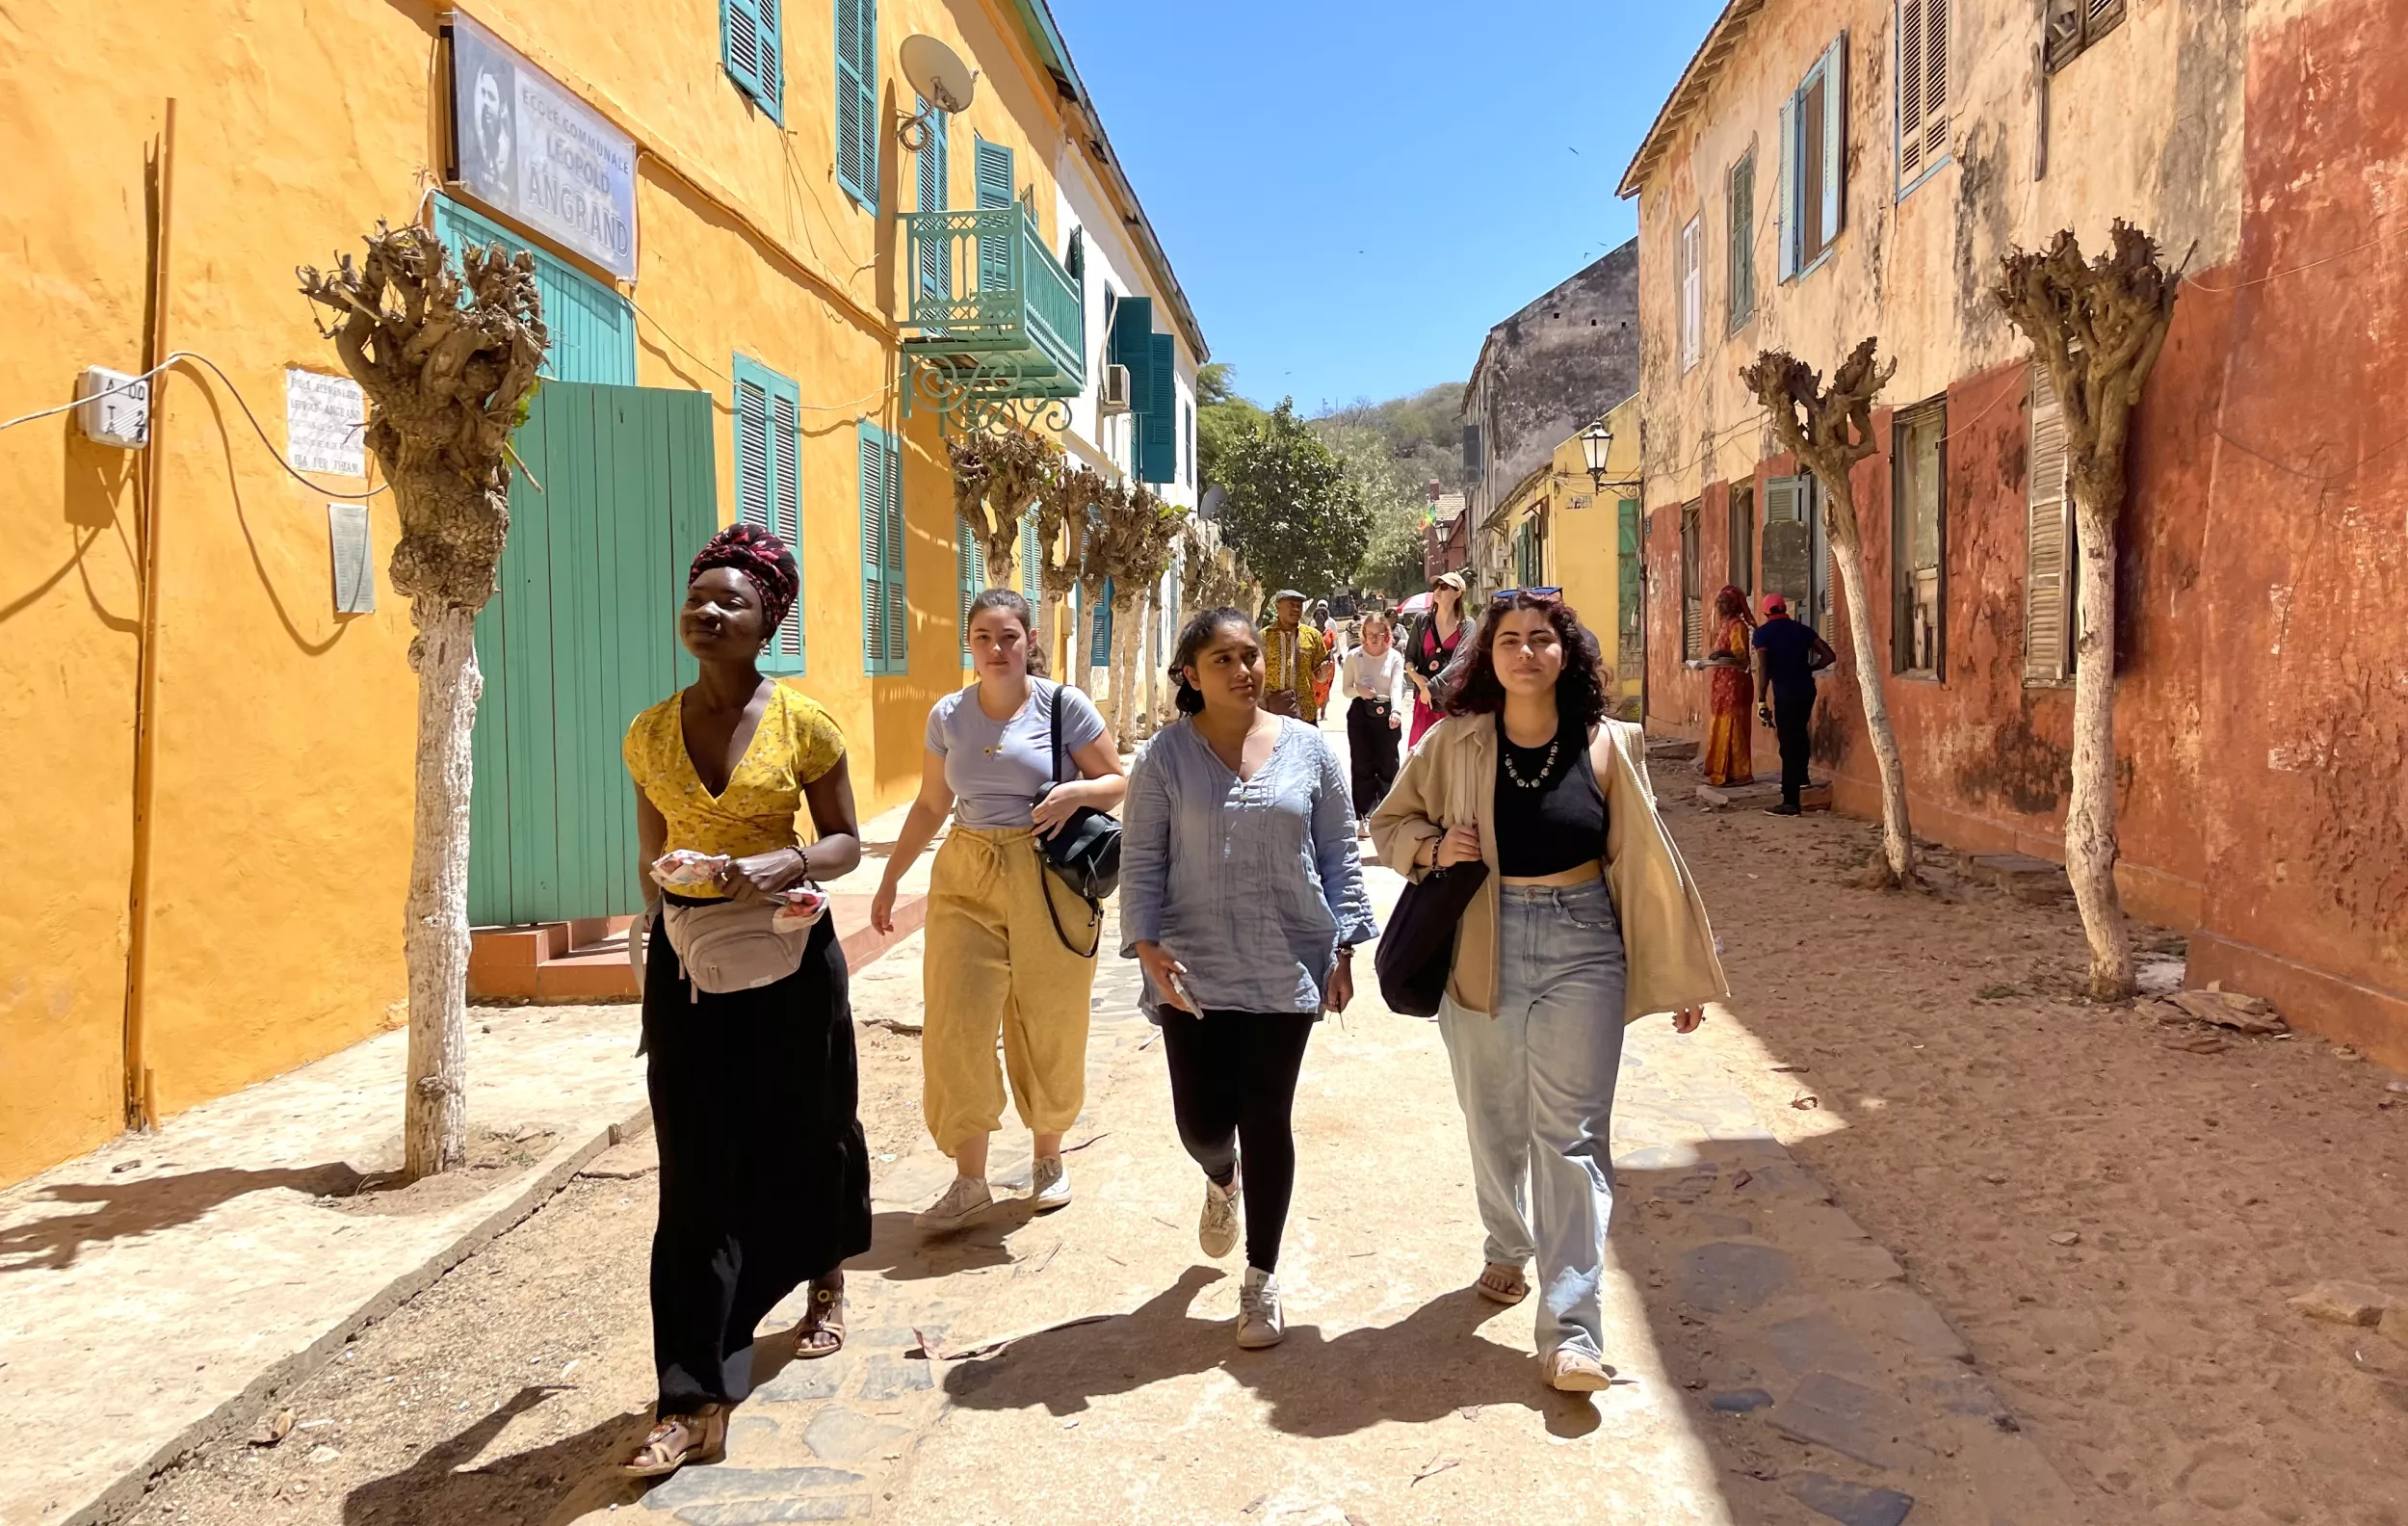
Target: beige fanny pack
732 946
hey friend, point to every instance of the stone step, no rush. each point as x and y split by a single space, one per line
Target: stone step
1763 793
585 961
2020 875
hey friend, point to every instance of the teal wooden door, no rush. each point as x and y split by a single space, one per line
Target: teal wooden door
581 636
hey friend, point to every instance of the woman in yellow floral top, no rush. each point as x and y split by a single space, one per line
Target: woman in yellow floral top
765 1179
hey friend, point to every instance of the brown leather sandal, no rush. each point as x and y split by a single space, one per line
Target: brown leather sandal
1499 1283
821 1332
679 1439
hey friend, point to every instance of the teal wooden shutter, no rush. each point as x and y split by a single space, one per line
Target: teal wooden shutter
970 569
994 171
1100 645
1834 137
1032 568
1157 424
592 326
769 482
884 634
935 175
857 100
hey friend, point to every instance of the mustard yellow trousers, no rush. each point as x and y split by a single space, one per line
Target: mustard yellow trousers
994 965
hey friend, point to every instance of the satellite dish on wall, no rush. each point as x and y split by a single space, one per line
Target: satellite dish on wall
1210 509
937 72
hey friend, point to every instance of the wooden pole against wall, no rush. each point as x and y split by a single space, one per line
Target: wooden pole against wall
140 1110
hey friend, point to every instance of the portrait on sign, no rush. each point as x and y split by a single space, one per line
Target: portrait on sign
528 148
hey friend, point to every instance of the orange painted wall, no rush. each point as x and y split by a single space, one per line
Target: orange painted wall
285 732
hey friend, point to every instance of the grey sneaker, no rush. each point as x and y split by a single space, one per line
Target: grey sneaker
1259 1321
965 1202
1217 1232
1049 1184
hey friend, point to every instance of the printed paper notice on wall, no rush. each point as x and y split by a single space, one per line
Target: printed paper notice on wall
326 421
355 559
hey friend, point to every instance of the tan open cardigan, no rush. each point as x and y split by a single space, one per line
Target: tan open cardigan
1452 779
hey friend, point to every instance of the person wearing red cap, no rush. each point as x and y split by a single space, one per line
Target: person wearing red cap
1788 656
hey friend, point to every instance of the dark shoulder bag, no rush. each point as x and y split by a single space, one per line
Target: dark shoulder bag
1084 854
1417 947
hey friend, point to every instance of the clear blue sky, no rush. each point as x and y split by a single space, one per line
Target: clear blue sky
1353 191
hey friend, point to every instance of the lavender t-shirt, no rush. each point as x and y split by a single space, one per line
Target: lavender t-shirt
998 769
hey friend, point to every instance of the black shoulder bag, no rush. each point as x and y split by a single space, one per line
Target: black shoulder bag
1084 854
1417 946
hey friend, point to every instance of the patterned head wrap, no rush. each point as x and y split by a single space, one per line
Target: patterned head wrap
759 556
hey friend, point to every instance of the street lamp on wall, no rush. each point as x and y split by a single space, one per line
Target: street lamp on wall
1596 443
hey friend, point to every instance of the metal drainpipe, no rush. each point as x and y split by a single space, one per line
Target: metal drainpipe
141 1109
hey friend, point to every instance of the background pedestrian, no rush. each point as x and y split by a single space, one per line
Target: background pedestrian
1586 919
1296 661
1242 895
1436 634
998 961
765 1176
1730 732
1788 654
1374 680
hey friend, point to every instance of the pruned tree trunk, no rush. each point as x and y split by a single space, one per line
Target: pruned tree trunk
1126 631
2098 327
1830 431
435 936
2091 843
446 361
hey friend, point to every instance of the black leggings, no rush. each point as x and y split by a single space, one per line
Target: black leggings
1233 1087
1372 745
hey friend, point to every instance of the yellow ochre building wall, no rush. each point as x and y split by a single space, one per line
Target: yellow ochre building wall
1581 536
280 828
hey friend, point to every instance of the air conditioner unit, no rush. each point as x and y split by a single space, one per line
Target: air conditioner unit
1115 389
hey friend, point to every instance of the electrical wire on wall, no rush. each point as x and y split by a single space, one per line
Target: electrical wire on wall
176 358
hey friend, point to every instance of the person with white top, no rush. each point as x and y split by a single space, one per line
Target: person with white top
1373 676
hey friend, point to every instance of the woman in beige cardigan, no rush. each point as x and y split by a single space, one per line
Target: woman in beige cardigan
1587 920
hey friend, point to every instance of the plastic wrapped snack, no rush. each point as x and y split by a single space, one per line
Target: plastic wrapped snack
683 868
802 905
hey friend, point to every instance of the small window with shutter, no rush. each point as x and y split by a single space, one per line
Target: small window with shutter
2049 544
1741 255
769 482
754 51
1814 162
885 628
1918 538
1692 276
857 99
1693 589
1032 563
2073 25
1922 90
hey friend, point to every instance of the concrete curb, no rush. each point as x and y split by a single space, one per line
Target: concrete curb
291 1372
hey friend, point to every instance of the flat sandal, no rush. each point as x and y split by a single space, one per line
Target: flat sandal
705 1440
1508 1290
821 1332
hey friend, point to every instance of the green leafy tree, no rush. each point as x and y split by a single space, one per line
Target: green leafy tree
1293 511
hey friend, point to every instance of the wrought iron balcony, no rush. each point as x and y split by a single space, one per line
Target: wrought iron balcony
994 319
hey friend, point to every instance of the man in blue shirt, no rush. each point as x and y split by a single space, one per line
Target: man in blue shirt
1788 656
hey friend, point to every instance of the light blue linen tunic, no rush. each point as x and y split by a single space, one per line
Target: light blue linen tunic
1253 884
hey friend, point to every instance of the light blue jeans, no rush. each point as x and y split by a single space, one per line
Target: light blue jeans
1536 1085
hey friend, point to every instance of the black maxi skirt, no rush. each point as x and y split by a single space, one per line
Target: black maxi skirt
765 1176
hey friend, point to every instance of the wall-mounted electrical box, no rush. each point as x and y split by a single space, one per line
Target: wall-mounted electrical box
112 407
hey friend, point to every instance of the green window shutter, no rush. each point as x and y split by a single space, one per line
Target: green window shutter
884 632
857 100
993 170
970 570
1631 571
1032 574
1158 420
769 482
1100 648
740 44
1834 137
592 326
1741 223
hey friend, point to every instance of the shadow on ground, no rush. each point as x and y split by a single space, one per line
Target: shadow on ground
132 1209
1428 1365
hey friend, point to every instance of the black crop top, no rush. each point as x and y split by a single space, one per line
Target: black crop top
1549 818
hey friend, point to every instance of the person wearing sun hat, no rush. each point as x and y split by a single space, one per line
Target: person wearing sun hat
1295 660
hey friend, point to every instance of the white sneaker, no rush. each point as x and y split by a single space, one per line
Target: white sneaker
1049 1184
965 1202
1259 1321
1217 1232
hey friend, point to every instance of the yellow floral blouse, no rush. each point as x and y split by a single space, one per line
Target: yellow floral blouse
796 744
